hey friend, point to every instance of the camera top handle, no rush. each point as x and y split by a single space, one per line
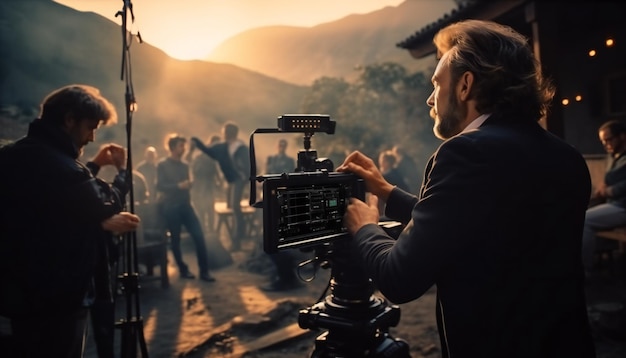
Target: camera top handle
289 123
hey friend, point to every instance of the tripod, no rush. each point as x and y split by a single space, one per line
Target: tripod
357 321
131 325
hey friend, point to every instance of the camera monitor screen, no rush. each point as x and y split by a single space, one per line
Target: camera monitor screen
306 209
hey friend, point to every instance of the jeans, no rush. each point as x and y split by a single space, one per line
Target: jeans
177 216
600 217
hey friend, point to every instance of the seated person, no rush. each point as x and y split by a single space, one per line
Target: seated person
611 194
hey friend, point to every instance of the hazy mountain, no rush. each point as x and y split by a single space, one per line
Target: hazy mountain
44 45
300 55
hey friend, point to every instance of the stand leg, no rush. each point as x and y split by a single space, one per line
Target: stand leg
132 336
132 326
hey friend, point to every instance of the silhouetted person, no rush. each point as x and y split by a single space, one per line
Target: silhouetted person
206 183
408 168
234 161
147 167
280 162
57 222
610 196
140 188
386 165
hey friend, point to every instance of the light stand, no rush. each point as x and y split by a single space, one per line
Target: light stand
131 325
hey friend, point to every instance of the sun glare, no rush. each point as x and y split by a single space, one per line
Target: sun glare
183 44
193 28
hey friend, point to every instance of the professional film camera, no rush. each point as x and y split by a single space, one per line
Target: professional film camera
304 210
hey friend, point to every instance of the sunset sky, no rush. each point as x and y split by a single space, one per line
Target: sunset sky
191 29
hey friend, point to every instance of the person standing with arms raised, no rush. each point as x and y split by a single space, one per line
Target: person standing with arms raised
234 160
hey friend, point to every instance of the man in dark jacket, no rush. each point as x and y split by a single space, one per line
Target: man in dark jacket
610 197
497 224
233 157
54 222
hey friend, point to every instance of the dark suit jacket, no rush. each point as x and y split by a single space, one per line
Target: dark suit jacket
497 229
51 241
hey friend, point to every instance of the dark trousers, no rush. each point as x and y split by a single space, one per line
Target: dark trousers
183 215
102 315
235 193
56 335
285 264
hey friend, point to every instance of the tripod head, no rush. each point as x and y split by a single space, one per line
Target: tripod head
308 160
357 320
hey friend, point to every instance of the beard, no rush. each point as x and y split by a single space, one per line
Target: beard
448 123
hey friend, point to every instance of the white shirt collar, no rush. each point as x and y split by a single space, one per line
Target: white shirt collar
476 122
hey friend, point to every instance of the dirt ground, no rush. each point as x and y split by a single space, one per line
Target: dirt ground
227 318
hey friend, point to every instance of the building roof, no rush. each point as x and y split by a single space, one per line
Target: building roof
420 43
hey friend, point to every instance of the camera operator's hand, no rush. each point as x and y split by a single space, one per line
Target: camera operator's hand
121 223
359 213
361 165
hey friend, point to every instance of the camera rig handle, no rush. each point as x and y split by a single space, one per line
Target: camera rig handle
291 123
253 177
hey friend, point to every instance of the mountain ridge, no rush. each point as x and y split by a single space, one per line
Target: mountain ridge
355 43
45 45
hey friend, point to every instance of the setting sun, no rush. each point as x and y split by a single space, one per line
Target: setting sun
192 29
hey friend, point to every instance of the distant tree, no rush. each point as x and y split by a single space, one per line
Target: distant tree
467 2
383 107
325 95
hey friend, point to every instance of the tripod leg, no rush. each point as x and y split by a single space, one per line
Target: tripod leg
142 340
132 337
129 345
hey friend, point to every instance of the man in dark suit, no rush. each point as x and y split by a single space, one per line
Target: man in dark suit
497 225
234 160
608 208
